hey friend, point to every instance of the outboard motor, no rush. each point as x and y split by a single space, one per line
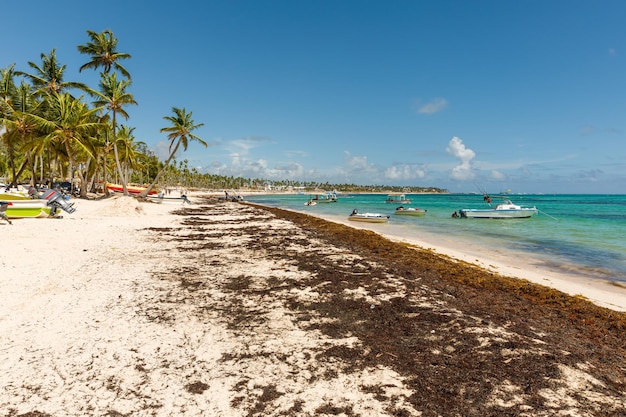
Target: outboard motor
32 193
3 209
56 199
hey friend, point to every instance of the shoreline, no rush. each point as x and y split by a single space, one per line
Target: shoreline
601 292
222 308
604 293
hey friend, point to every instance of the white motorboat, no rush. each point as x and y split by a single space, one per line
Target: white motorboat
409 211
160 198
368 217
504 210
397 199
326 198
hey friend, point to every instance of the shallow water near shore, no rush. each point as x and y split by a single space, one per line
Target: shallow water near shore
581 235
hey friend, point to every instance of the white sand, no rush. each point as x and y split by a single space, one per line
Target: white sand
82 327
85 327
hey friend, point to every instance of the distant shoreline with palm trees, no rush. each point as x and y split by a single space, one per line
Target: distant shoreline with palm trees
53 129
50 134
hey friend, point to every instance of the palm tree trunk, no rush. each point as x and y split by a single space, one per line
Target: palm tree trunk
117 158
145 192
83 179
104 175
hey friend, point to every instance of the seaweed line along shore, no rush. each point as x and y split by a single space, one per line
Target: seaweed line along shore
226 308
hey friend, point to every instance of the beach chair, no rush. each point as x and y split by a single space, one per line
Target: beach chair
3 212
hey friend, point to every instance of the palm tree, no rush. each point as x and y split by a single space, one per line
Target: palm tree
21 130
16 104
128 149
104 146
102 49
7 93
179 133
113 97
48 78
69 122
7 88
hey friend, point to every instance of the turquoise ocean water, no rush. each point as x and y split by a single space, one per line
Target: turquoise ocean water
582 235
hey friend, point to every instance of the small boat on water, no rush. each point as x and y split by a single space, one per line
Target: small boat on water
504 210
409 211
397 199
310 202
368 217
326 198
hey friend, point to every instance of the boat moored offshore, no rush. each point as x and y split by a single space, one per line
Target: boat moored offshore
368 217
504 210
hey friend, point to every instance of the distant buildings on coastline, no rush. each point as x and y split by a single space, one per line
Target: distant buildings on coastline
351 188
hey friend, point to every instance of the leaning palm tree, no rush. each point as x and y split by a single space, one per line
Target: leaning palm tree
48 77
179 133
102 49
113 97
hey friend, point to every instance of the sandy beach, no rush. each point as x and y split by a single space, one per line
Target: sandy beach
608 294
225 309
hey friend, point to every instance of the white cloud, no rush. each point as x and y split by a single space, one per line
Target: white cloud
497 175
356 169
259 168
464 170
236 159
405 172
241 162
286 171
162 149
244 145
435 105
355 162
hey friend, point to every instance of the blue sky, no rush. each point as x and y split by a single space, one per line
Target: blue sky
522 95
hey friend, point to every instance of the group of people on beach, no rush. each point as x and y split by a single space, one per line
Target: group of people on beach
228 197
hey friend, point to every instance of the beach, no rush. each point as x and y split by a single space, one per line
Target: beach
606 293
226 309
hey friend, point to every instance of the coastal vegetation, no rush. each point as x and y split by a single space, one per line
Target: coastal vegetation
53 129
